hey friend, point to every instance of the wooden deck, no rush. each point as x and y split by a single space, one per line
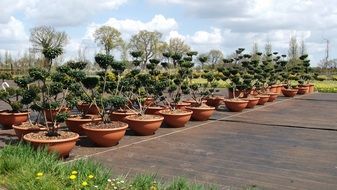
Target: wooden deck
288 144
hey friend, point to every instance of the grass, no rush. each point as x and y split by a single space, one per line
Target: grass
22 167
326 86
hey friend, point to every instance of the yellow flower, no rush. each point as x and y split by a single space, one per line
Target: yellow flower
84 183
90 176
74 172
72 177
39 174
38 178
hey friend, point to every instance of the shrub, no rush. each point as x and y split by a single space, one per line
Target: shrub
321 78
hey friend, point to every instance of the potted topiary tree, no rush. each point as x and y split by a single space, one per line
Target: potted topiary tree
17 98
61 142
288 74
106 133
212 83
305 75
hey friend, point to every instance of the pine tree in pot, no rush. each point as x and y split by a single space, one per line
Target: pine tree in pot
106 133
212 78
83 89
305 75
234 77
61 142
288 75
18 98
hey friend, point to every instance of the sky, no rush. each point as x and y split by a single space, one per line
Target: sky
212 24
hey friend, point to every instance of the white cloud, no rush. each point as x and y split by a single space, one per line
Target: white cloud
12 35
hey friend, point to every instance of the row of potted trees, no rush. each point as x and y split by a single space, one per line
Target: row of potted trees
115 99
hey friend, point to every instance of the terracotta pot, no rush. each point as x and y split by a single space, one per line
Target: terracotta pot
21 131
289 92
154 110
303 89
60 146
236 105
263 99
180 105
120 115
51 113
145 126
201 113
272 96
279 89
88 109
148 102
75 124
194 103
214 101
252 101
273 88
176 120
8 119
311 88
106 137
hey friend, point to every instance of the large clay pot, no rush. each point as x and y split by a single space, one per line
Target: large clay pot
148 102
311 88
88 108
120 115
289 92
108 136
201 113
273 88
60 146
20 131
272 96
180 105
214 101
252 101
154 110
75 123
279 89
51 113
303 89
263 99
194 103
8 119
144 125
176 118
236 105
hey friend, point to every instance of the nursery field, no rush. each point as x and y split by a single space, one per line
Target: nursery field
288 144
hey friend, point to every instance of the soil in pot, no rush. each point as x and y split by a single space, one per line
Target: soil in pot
154 110
201 113
75 123
263 99
176 118
120 115
27 127
214 101
272 96
194 103
61 144
88 108
51 113
180 105
289 92
252 101
236 105
105 134
8 118
144 124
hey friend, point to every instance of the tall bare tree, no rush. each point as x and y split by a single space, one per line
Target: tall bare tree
148 43
215 57
48 41
108 37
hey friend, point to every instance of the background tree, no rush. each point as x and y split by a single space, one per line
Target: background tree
108 37
255 50
215 57
177 46
48 41
148 43
293 52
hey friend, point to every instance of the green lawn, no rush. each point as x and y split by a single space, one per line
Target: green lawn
329 86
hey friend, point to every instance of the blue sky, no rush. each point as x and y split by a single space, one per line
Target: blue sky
204 25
